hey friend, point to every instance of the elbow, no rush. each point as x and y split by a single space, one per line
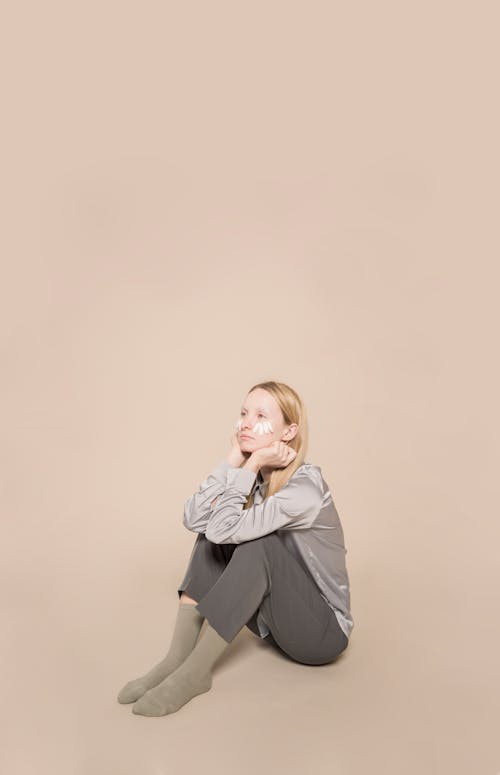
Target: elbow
193 527
193 515
212 536
216 537
188 518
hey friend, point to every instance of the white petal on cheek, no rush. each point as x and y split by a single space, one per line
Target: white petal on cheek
263 427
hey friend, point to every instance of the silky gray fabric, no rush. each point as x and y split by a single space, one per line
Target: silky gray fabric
302 514
232 584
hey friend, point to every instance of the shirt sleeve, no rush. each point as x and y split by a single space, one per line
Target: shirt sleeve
295 506
197 506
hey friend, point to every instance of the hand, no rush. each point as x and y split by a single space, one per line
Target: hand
276 455
236 457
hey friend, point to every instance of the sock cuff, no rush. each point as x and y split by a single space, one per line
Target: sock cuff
191 606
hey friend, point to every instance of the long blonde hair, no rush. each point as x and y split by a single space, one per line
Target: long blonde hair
293 411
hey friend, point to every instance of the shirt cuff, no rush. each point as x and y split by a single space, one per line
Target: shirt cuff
241 478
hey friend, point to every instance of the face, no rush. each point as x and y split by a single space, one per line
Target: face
261 422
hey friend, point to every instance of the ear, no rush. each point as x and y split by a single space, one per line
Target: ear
291 432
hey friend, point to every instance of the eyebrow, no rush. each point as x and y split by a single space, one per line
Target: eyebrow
260 408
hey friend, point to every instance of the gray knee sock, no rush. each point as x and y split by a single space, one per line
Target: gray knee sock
191 678
187 628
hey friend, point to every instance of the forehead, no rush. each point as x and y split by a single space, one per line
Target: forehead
261 403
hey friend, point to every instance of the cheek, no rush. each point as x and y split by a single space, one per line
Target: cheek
263 427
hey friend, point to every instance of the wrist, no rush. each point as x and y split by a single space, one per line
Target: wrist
253 463
235 459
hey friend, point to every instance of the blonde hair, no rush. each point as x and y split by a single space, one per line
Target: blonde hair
293 411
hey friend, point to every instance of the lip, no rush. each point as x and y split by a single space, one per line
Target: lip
244 436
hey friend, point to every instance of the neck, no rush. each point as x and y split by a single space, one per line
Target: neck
265 474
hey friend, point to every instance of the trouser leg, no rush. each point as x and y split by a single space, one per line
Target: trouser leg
236 595
205 565
263 573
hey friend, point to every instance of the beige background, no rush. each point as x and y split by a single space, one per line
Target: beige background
197 197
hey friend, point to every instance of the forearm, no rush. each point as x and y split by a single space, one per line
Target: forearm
197 509
197 506
253 463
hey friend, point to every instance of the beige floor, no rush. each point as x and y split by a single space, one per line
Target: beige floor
398 701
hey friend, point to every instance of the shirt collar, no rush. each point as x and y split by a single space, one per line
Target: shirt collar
260 482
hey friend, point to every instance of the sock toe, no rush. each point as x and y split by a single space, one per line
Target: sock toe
131 692
172 694
148 706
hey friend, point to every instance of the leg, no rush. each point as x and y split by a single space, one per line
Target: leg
264 573
185 599
302 623
206 564
186 631
260 572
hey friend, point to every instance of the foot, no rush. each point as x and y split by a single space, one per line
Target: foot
172 693
139 686
132 691
187 629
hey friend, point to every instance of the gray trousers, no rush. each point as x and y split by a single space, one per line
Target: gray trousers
232 582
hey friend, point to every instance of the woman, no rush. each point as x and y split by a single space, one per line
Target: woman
269 554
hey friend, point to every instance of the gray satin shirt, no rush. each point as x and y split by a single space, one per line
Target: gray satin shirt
302 512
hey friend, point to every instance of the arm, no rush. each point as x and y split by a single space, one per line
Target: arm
197 506
296 505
